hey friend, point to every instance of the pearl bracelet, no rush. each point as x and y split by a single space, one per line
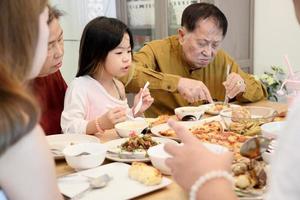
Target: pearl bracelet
206 177
99 129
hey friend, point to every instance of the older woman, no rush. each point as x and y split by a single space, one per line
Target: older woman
24 155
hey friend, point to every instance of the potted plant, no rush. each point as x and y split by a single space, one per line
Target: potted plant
272 80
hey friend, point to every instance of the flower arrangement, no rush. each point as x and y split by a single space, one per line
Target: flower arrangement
272 81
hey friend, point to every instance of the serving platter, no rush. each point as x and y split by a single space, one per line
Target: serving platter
120 187
58 142
115 152
156 130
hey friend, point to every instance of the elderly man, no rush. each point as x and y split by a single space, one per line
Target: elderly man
189 67
50 86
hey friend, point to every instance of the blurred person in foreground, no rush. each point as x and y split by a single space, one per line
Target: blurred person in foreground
203 164
50 87
24 153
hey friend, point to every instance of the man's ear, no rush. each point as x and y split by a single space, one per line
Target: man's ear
181 33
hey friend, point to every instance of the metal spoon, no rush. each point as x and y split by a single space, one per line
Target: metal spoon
189 118
84 153
94 183
254 147
145 131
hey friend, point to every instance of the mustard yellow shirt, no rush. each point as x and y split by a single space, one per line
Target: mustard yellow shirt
161 63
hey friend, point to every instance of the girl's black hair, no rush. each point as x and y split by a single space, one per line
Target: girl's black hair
99 36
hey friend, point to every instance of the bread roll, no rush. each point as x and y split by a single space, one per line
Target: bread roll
145 174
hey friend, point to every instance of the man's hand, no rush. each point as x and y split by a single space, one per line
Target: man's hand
234 85
193 90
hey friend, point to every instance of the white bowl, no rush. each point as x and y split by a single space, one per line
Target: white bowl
158 155
273 129
124 129
96 156
181 112
267 156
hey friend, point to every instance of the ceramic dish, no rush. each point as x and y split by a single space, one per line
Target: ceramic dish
217 107
115 153
120 187
58 142
163 127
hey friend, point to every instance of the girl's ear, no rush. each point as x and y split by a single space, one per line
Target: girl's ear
181 33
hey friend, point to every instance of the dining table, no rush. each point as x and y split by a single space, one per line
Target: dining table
172 191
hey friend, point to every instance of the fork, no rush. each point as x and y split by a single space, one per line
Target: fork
226 100
140 103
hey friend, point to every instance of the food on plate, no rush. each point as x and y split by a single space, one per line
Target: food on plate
168 133
137 143
203 128
247 128
161 120
242 181
145 174
240 113
213 132
245 124
217 107
249 174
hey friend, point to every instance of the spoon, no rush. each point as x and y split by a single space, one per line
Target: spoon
140 103
280 91
94 183
145 131
189 118
254 147
84 153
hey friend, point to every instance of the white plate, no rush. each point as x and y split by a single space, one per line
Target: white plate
189 124
209 106
58 142
129 157
120 187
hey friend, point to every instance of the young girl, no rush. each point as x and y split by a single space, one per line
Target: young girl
96 100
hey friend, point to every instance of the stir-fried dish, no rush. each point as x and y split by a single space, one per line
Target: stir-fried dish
136 142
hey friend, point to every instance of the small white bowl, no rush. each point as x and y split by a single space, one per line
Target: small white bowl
195 111
158 155
96 156
272 130
267 156
124 129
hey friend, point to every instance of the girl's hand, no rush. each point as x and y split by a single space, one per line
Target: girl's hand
112 117
146 98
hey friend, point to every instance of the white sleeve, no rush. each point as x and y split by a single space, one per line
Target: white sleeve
75 110
285 174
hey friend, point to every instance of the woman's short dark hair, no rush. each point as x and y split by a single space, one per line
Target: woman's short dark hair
99 36
199 11
54 13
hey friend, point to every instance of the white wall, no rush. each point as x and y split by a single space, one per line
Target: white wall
276 32
77 14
